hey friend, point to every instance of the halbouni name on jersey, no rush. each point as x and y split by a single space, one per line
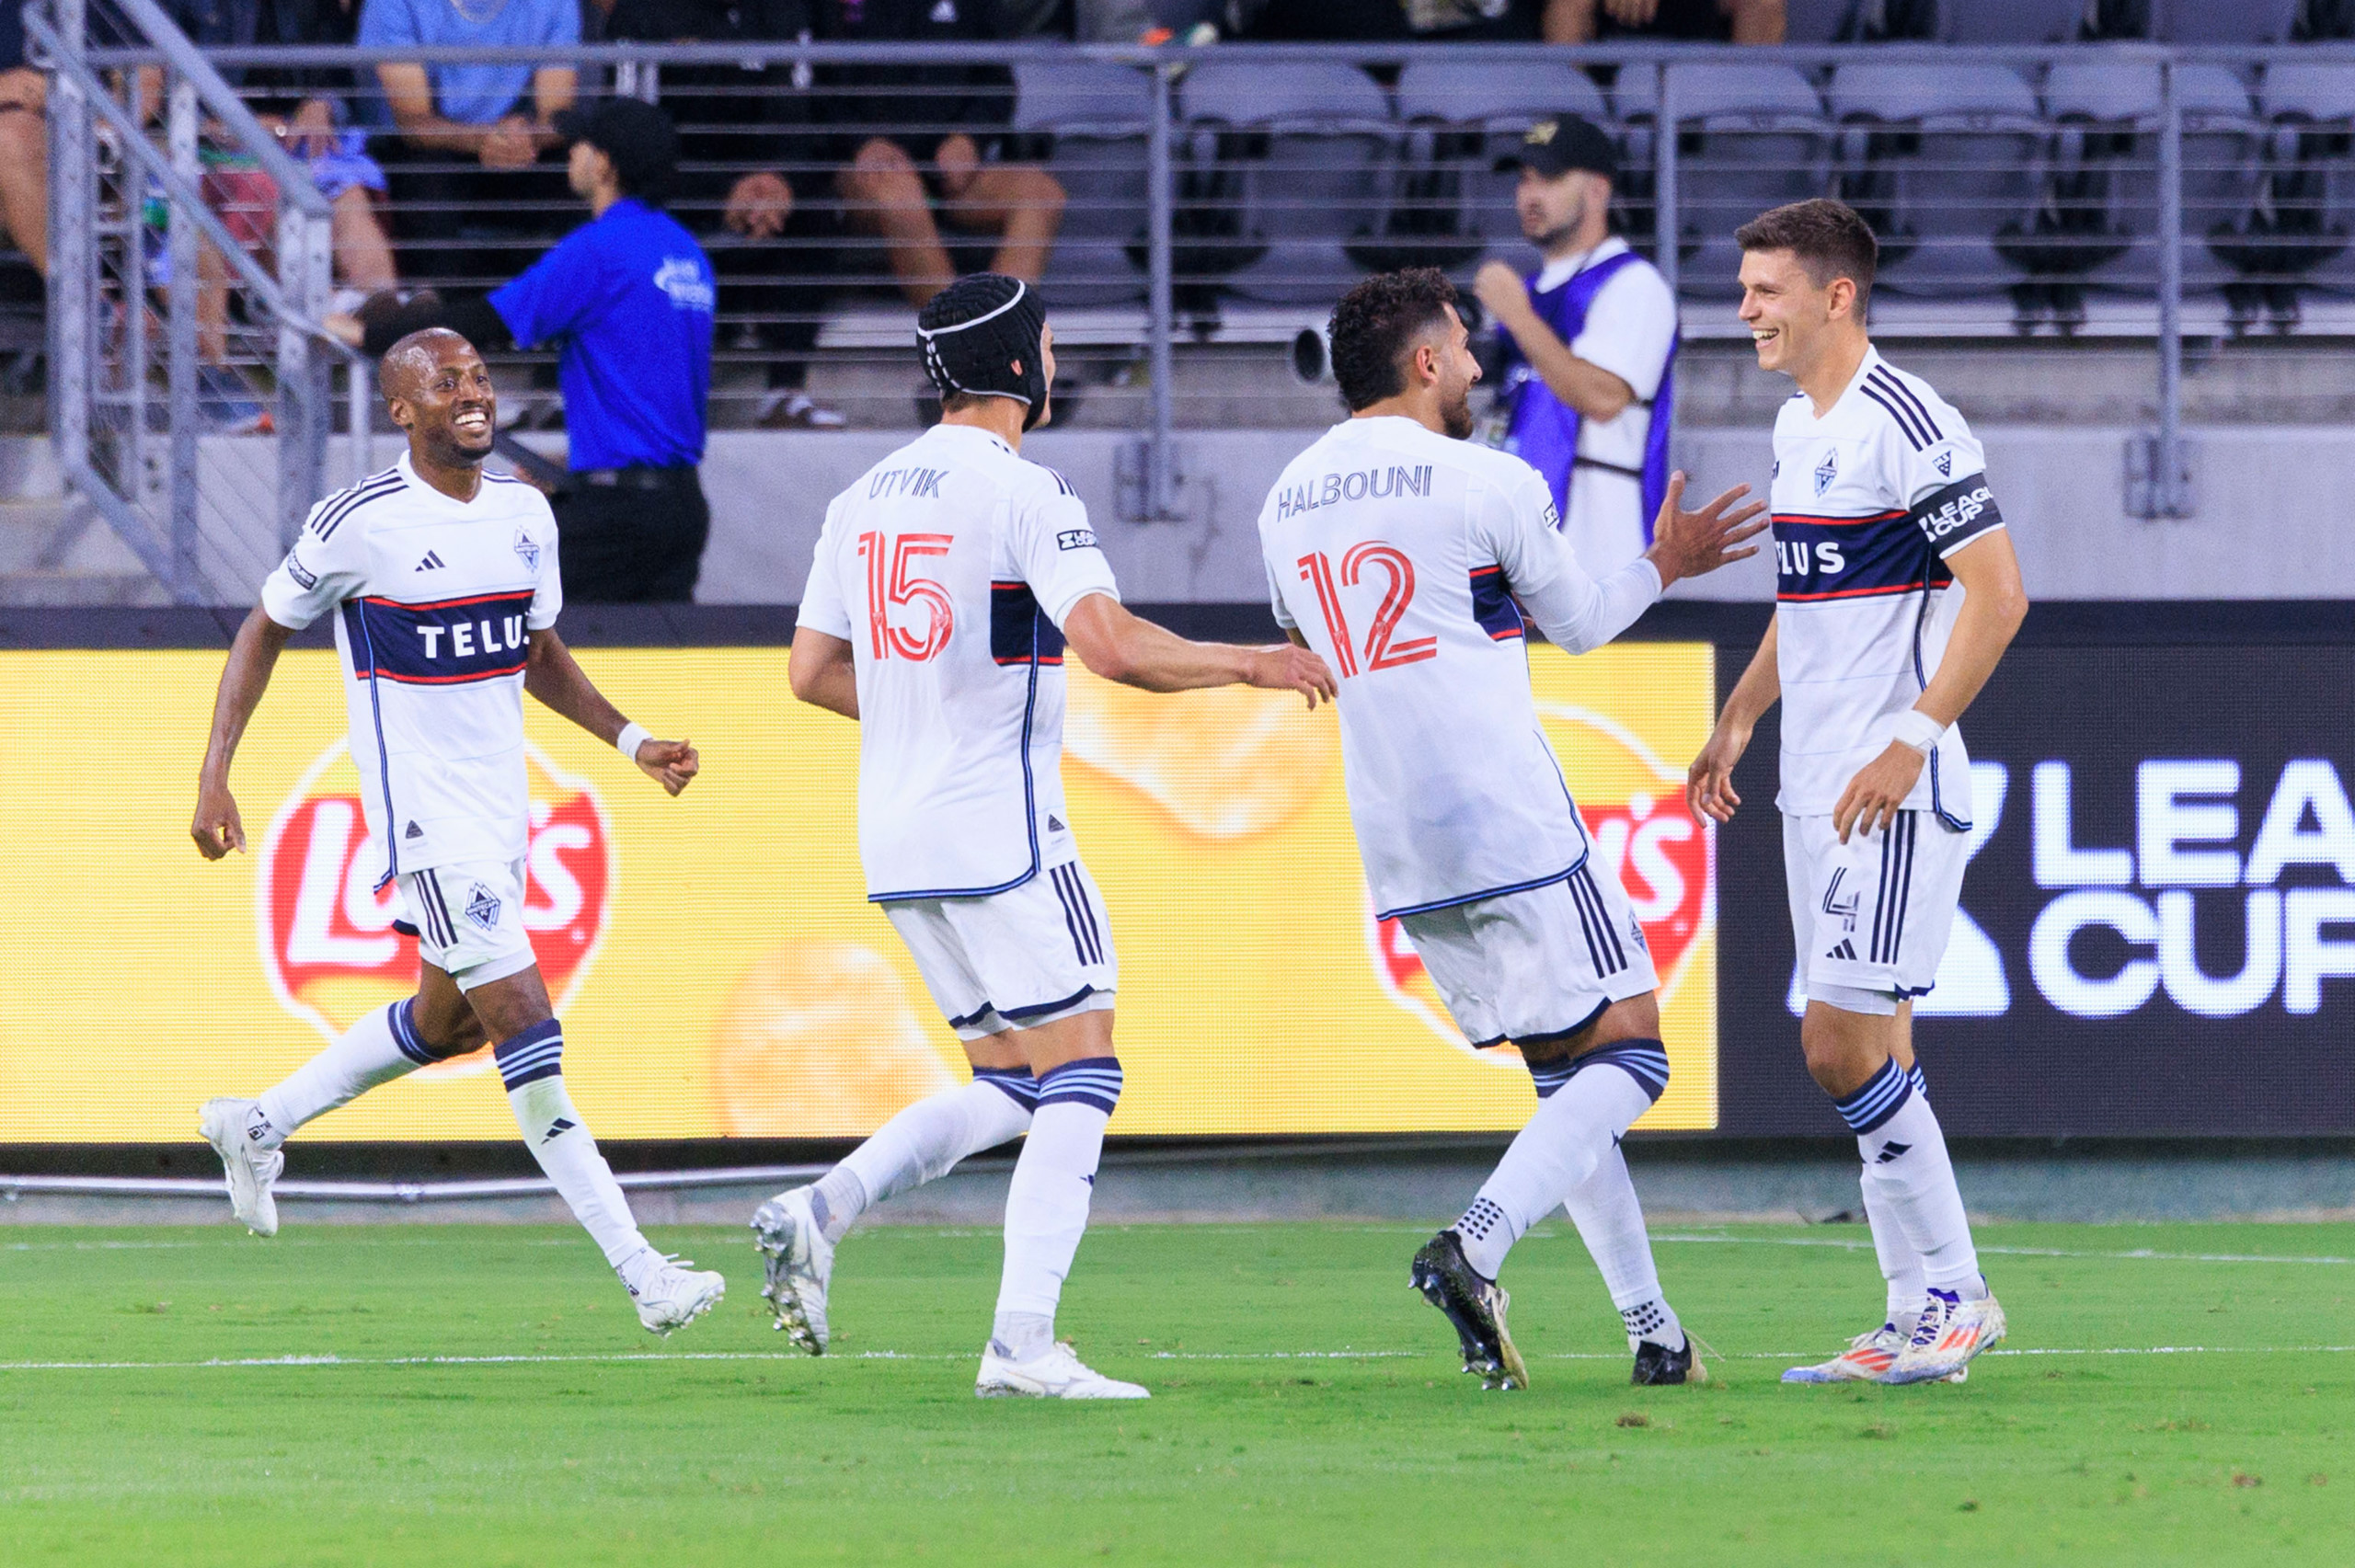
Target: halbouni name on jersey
1370 484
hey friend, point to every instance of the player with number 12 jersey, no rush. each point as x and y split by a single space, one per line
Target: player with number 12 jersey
1412 559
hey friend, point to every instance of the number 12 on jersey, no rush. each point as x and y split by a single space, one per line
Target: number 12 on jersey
895 587
1381 653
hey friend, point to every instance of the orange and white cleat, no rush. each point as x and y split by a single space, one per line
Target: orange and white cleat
1867 1360
1952 1332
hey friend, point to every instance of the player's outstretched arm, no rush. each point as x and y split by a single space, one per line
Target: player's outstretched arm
822 673
1995 603
253 656
1694 544
555 677
1708 784
1119 646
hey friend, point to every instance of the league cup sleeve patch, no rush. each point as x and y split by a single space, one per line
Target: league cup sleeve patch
1955 514
1076 538
299 572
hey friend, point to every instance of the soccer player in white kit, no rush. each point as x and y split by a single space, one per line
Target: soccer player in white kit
946 583
1409 558
444 581
1897 593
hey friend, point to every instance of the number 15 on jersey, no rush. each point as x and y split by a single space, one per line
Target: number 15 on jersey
891 585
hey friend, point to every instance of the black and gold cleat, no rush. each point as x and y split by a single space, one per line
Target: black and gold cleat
1476 1306
1657 1363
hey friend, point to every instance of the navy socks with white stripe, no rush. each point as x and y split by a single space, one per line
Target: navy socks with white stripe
1904 1151
532 1066
1046 1206
1582 1114
382 1046
923 1142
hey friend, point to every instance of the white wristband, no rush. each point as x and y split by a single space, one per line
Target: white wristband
1919 730
633 736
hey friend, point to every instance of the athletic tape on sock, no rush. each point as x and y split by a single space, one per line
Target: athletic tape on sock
536 1053
1017 1084
1881 1097
1091 1081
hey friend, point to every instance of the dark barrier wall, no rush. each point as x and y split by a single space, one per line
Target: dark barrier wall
2158 924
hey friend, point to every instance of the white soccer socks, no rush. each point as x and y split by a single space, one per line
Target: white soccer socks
1577 1120
923 1142
1046 1206
1905 1158
1611 1222
532 1064
1900 1265
382 1046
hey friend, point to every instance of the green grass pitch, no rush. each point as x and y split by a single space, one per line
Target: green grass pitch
477 1396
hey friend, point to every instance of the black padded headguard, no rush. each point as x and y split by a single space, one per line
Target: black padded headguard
973 331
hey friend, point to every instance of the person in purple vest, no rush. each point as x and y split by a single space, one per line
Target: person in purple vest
1591 347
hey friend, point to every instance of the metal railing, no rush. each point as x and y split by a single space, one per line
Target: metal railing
1208 205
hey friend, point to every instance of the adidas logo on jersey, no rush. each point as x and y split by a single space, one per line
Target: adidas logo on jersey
432 562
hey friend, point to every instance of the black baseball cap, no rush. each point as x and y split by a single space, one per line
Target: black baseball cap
637 136
1561 142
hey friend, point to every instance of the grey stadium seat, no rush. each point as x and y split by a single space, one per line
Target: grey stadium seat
1450 208
1291 158
1098 118
2221 21
2011 21
2309 210
2105 179
1750 137
1816 21
1939 159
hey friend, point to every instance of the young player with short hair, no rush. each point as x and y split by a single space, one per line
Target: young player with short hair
946 582
444 583
1411 558
1898 593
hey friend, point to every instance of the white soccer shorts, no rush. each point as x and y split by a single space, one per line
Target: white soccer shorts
1014 960
469 920
1872 915
1535 966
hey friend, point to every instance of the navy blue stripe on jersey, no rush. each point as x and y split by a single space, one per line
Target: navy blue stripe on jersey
1020 632
1821 557
1896 887
363 652
1594 919
1891 383
1061 482
1086 933
337 507
1029 816
1492 605
1913 434
449 642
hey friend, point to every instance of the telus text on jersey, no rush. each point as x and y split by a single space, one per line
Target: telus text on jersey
1372 484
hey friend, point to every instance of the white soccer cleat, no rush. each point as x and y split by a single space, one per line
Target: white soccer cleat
1867 1360
1053 1373
675 1293
249 1171
799 1261
1952 1332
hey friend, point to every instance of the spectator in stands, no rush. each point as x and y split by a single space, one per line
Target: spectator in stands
628 299
1386 21
24 144
914 144
1723 21
1587 389
467 162
743 134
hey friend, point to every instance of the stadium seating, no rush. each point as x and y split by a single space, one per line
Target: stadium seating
2222 21
2010 21
1286 165
1452 207
1096 119
1752 137
2309 208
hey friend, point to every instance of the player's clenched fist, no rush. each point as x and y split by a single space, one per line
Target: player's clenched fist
671 763
1708 783
1284 667
217 829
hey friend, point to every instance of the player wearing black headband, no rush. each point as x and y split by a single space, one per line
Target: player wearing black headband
947 581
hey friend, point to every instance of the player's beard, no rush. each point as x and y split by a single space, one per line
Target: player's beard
1456 414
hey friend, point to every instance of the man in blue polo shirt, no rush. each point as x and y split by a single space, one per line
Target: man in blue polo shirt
627 299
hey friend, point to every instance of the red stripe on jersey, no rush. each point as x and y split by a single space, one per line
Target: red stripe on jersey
440 680
519 594
1858 592
1836 521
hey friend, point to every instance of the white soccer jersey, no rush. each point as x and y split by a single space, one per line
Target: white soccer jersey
1398 554
437 599
949 567
1868 501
